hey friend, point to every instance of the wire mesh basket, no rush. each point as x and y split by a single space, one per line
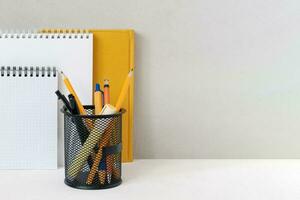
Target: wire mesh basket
92 149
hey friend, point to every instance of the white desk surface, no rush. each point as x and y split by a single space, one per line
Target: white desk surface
168 179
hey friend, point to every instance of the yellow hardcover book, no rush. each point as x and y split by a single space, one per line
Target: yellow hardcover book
113 58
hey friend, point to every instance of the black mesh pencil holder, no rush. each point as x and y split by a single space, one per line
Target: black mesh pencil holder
92 149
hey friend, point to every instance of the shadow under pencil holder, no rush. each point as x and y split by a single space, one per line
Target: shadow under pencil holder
93 149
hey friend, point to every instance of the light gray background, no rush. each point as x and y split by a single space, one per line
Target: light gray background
214 78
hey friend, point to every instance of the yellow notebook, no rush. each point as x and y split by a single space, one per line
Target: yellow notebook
113 58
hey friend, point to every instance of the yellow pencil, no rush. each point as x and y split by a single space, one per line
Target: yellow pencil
108 159
101 173
81 109
72 91
124 91
104 140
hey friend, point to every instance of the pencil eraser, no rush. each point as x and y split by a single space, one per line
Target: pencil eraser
108 110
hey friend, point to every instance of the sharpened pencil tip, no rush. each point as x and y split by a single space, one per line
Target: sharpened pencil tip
108 178
62 73
106 82
130 72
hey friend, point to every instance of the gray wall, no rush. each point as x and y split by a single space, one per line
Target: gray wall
214 78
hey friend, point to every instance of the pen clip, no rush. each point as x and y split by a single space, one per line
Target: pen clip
73 104
64 100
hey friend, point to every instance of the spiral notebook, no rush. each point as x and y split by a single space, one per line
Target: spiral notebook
28 118
70 52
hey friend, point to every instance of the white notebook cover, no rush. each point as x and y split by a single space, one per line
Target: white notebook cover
28 121
71 53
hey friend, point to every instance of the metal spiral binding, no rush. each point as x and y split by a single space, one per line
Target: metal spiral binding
25 71
56 34
14 71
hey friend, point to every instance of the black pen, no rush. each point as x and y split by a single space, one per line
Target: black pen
73 105
64 100
81 128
